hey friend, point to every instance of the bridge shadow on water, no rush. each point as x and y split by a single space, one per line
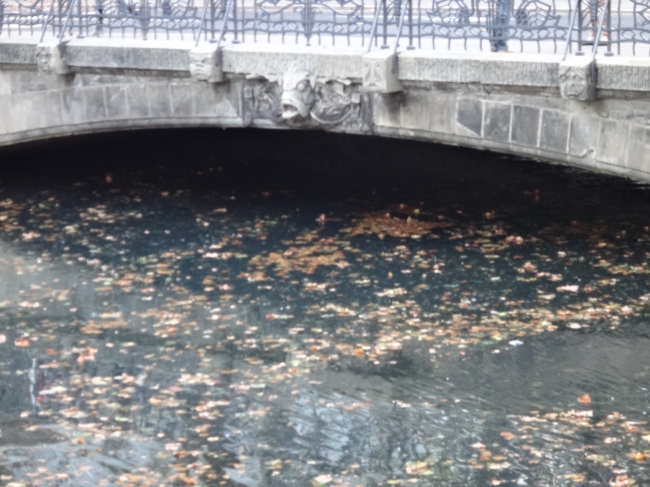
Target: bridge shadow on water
268 308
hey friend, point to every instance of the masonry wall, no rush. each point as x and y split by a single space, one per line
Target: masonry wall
610 136
487 104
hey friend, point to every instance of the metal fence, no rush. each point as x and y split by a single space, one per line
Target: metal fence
514 25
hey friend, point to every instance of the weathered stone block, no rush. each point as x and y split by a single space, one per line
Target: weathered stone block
273 60
577 77
583 138
525 125
496 125
5 83
623 73
50 57
638 158
116 105
181 99
204 99
136 98
613 142
386 109
379 72
510 69
18 50
3 109
102 52
554 133
32 111
159 100
205 63
95 104
440 66
74 107
50 101
426 111
469 117
215 100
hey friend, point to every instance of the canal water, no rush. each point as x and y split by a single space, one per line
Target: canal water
242 308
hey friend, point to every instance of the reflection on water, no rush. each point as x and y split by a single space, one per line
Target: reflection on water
264 309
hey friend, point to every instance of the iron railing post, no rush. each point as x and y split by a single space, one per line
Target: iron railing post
373 30
410 7
385 9
574 13
234 22
144 19
80 34
307 20
212 20
45 22
2 15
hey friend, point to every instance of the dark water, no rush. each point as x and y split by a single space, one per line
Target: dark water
301 309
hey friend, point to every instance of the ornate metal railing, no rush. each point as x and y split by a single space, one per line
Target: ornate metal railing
513 25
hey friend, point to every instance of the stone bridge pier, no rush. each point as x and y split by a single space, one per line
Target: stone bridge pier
533 106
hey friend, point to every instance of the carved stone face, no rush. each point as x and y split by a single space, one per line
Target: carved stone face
297 93
43 59
202 66
574 83
373 74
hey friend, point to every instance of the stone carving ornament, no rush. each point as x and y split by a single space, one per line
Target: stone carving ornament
205 64
577 79
50 58
299 98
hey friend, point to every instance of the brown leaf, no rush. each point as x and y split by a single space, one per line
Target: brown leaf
507 435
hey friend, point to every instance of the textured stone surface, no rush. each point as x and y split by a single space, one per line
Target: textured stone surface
129 54
613 142
555 131
466 100
485 68
509 69
440 66
496 125
469 117
639 150
93 99
18 50
181 100
629 74
274 60
116 106
583 139
159 100
525 125
427 111
137 100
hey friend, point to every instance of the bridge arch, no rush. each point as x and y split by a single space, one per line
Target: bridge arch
510 104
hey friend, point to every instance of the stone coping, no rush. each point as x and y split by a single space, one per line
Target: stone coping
268 60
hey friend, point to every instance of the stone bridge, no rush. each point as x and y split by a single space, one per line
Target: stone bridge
530 105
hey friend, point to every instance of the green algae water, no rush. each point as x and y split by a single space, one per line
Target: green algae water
242 308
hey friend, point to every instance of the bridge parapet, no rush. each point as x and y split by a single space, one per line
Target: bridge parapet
504 102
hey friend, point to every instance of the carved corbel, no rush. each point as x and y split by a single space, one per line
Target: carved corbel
378 74
577 77
205 64
50 57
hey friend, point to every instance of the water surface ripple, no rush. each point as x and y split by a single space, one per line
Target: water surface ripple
265 309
